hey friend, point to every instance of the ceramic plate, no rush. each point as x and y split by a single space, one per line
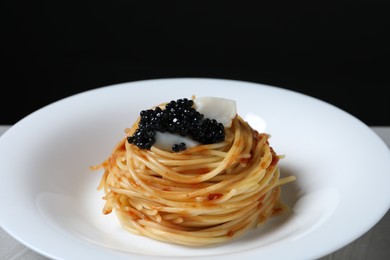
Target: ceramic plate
51 204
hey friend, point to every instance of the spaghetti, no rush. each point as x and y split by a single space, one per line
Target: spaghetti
207 194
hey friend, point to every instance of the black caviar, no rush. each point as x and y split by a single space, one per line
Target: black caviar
179 147
177 117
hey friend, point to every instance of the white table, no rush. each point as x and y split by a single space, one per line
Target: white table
373 245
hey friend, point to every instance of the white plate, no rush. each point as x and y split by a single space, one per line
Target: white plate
50 202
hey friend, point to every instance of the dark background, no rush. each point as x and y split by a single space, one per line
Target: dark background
337 51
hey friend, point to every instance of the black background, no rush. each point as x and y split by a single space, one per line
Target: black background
337 51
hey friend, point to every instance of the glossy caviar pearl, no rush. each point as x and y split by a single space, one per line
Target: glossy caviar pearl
179 147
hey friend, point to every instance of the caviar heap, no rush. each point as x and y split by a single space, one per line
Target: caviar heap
178 117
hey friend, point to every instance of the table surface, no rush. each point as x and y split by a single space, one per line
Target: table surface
373 245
